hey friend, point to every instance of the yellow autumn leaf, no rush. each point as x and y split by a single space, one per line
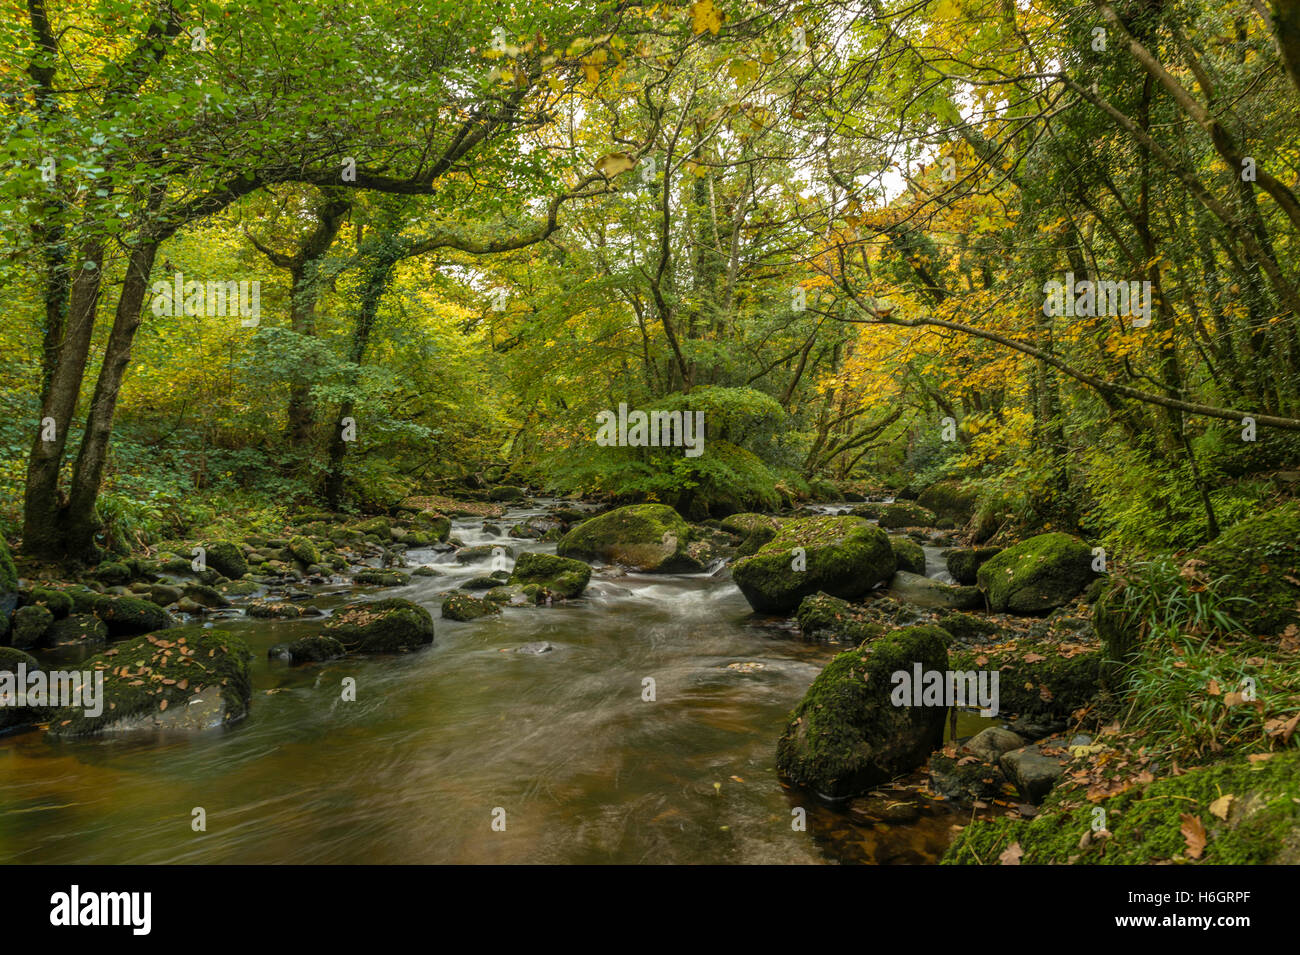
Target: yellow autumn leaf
705 16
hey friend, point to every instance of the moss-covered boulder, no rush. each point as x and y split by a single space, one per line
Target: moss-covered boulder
76 630
438 525
56 601
847 736
28 626
824 617
188 678
113 573
15 666
384 626
964 563
463 607
948 499
1037 575
905 514
8 588
561 577
1145 823
909 554
313 649
841 556
1037 681
506 492
967 628
226 558
742 525
1259 559
128 616
304 551
646 537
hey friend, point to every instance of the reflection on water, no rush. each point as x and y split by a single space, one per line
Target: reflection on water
585 769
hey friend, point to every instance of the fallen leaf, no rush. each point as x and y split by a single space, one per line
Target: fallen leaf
1011 855
1221 806
1193 832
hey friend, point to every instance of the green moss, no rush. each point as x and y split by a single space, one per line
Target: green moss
126 616
649 537
225 557
304 551
113 573
1052 687
57 602
842 556
743 524
1260 560
29 625
909 554
905 514
438 525
384 626
382 578
1037 575
8 573
830 618
964 565
1263 824
846 736
76 629
147 676
948 499
312 649
967 628
561 576
464 607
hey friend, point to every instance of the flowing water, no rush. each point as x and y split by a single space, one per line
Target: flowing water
562 747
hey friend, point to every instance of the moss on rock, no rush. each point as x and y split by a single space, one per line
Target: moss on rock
28 626
1037 680
127 616
905 514
464 607
187 678
1259 559
948 499
846 736
1037 575
964 564
225 557
842 556
316 648
909 554
304 551
647 537
830 618
384 626
562 577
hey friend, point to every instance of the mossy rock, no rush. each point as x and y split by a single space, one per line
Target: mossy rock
112 573
948 499
8 573
28 626
964 564
472 555
56 601
1259 559
1145 822
1037 681
464 607
188 678
905 514
1119 629
207 596
830 618
760 535
391 625
742 525
909 554
312 649
19 664
127 616
314 517
76 630
841 556
304 551
1037 575
561 577
226 558
236 588
513 595
378 526
84 600
870 510
932 594
382 578
965 780
846 736
274 610
438 525
506 493
967 628
647 537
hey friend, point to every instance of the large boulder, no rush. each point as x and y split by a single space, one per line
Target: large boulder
1037 575
226 558
948 499
842 556
457 606
824 617
129 616
28 626
561 577
964 563
384 626
847 736
910 554
187 678
904 514
647 537
1258 559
